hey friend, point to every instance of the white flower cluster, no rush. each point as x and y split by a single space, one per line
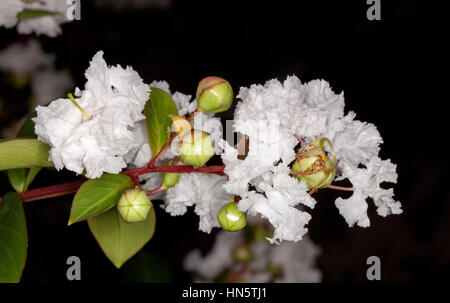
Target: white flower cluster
289 262
27 59
114 99
49 25
270 115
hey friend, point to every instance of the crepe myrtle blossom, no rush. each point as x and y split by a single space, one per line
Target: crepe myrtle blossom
234 259
48 24
95 136
308 111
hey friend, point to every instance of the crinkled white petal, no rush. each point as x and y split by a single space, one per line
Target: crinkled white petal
366 183
202 190
114 98
289 222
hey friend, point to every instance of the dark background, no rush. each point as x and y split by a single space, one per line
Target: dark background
382 66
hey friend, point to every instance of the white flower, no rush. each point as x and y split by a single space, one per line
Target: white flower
219 258
21 59
295 261
141 153
8 12
202 190
114 98
270 115
49 25
45 25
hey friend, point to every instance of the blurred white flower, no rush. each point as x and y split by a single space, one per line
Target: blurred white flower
25 58
114 99
288 262
8 12
49 25
270 115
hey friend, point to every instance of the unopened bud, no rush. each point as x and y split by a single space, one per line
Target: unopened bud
231 218
316 168
214 95
196 148
170 179
134 205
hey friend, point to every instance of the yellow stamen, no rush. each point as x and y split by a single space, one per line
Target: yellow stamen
78 106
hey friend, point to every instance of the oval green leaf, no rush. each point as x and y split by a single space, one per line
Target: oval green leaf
118 239
98 195
21 178
157 110
23 153
13 239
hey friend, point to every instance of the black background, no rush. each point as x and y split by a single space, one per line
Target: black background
384 68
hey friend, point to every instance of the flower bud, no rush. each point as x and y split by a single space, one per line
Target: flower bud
134 205
242 253
214 95
316 168
196 148
180 125
231 218
170 179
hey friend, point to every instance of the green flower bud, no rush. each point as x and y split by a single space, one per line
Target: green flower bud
169 180
214 95
242 253
316 168
196 148
231 218
134 205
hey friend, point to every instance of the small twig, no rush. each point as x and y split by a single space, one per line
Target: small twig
340 187
158 155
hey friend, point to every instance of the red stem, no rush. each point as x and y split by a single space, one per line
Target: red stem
158 155
51 191
72 187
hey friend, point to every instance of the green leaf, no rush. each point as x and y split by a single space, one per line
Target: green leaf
35 13
17 178
118 239
21 178
23 153
98 195
13 239
27 129
157 109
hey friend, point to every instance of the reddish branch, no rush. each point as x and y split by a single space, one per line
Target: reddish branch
72 187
